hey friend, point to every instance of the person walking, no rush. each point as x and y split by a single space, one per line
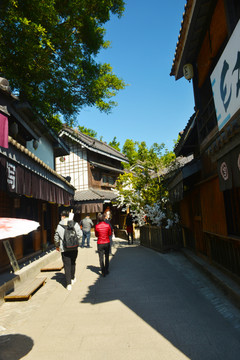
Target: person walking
86 225
107 215
129 223
102 232
69 255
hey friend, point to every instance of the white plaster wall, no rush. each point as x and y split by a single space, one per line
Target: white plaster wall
74 165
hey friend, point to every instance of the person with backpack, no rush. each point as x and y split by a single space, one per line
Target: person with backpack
67 237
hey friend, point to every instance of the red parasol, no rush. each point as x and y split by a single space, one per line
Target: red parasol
12 227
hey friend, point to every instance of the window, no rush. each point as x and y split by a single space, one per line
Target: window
110 180
105 179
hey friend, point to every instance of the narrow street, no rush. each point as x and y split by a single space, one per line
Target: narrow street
150 306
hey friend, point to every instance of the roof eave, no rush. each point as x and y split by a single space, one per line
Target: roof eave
195 20
91 148
182 38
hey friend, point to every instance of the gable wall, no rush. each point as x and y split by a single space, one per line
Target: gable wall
75 165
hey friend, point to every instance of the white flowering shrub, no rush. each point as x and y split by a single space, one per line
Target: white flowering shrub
155 214
139 217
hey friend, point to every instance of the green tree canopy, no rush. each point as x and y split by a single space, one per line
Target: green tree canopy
115 144
143 186
130 150
87 131
48 53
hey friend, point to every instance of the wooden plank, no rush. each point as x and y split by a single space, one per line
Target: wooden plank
53 266
25 291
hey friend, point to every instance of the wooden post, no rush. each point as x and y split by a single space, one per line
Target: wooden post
18 246
184 237
37 240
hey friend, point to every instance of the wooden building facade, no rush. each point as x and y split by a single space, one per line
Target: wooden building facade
93 168
208 197
30 188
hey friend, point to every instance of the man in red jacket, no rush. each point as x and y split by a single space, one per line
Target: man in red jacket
102 232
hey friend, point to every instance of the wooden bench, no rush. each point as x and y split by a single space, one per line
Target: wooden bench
56 265
27 289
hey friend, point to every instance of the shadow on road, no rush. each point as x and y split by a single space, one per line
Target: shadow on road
60 278
94 269
158 293
15 346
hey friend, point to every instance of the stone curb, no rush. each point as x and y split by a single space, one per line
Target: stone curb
228 285
9 281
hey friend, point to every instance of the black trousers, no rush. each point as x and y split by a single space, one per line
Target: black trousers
103 252
69 262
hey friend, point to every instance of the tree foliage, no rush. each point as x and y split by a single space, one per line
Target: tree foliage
142 187
130 150
87 131
115 144
48 53
152 158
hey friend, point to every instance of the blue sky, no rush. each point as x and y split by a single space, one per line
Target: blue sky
154 107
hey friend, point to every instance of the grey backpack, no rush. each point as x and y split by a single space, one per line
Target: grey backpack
70 239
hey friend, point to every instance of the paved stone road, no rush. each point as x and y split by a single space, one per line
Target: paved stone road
150 306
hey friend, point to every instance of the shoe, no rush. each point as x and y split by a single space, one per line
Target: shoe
73 281
107 272
69 287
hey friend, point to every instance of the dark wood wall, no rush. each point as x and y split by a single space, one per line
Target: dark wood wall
213 40
213 209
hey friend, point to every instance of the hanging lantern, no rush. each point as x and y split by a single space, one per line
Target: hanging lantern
35 144
14 129
188 71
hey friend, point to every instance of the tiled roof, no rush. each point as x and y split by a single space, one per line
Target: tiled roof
103 166
185 133
193 25
181 36
179 162
25 114
94 195
92 143
107 194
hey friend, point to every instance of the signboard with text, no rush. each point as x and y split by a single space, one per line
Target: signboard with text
225 80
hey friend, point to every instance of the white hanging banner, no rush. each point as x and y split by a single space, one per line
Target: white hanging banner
225 80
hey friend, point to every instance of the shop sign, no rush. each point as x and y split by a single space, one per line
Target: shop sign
229 170
225 80
11 176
